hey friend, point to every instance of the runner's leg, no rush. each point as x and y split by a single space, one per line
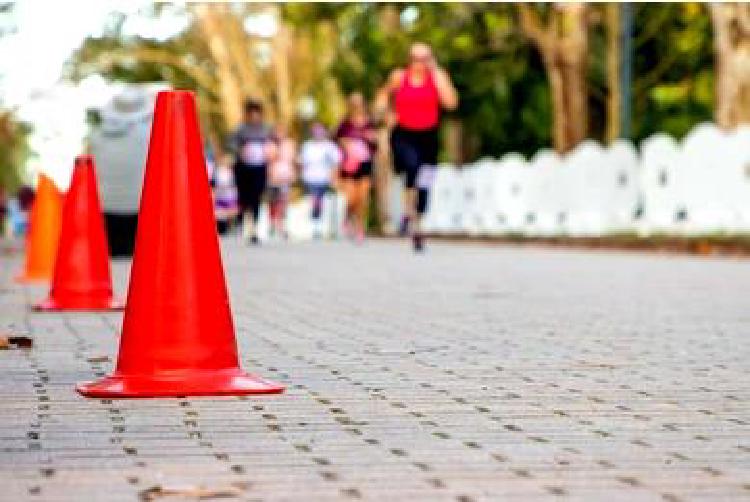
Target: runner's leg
363 198
406 160
426 145
258 186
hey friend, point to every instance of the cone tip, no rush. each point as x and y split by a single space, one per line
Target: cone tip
85 159
175 95
46 179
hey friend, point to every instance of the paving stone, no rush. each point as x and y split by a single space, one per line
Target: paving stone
469 373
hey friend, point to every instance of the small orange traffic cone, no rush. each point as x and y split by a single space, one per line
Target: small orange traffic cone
177 336
44 232
82 278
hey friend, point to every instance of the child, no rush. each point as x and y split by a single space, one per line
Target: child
281 175
226 203
319 158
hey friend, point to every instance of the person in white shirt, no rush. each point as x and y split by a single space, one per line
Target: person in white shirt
320 158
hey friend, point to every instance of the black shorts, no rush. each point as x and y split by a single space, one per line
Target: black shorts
251 183
412 150
364 171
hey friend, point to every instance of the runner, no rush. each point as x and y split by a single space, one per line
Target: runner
418 92
357 137
226 207
281 175
250 144
319 158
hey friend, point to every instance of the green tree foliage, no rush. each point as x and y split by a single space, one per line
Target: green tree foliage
14 146
673 68
14 150
505 102
504 99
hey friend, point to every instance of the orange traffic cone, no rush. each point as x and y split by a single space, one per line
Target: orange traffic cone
82 278
177 336
44 232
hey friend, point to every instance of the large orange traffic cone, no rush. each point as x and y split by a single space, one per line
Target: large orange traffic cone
44 232
82 278
177 337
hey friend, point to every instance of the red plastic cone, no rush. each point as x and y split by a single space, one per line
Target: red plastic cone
44 232
82 279
177 337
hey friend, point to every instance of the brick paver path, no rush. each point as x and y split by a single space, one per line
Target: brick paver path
469 373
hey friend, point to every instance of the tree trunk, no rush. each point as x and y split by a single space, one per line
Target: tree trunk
613 71
576 105
240 45
572 52
283 91
731 23
453 143
383 179
557 93
563 44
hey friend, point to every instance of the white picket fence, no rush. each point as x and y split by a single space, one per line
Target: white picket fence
697 186
700 185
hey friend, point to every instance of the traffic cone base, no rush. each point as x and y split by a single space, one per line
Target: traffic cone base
30 278
84 303
232 381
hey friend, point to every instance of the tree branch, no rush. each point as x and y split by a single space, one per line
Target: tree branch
654 75
160 56
653 27
742 14
532 25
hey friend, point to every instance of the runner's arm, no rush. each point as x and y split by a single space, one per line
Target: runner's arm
446 91
382 98
233 143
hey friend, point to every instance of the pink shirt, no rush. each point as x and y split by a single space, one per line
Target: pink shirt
281 170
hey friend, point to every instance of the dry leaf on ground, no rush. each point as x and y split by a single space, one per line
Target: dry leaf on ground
98 359
197 492
15 342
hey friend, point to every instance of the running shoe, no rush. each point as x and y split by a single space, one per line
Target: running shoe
348 230
403 229
417 241
359 237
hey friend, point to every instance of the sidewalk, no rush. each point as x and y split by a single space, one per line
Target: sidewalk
469 373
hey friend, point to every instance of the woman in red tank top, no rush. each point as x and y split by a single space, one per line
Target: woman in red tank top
417 106
418 92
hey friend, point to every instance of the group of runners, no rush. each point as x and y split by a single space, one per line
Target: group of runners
265 160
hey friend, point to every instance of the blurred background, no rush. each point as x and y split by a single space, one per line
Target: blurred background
558 102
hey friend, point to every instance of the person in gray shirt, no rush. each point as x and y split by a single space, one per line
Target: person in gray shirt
251 145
